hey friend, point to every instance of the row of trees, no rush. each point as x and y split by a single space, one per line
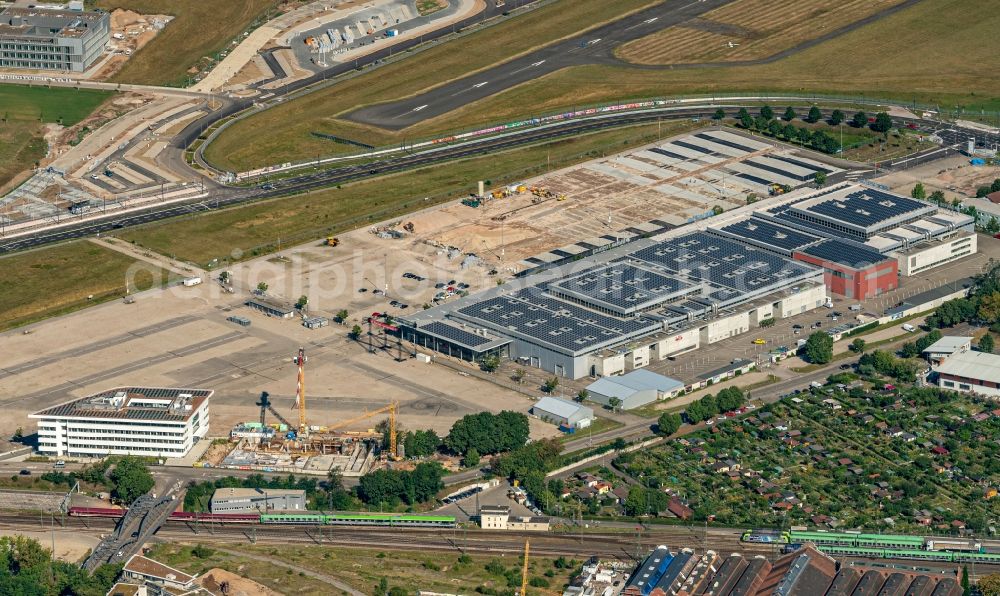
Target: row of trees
645 501
986 189
711 406
390 487
819 140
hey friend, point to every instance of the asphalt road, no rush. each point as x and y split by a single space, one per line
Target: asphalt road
593 47
228 196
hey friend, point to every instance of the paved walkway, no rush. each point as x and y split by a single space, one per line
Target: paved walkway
185 269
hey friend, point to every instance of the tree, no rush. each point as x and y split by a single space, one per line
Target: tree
719 114
909 350
858 346
550 385
766 112
790 132
488 433
130 479
992 226
421 443
986 344
717 210
918 191
614 403
518 375
989 308
668 423
490 363
819 348
582 395
820 178
775 128
746 121
860 120
989 585
355 333
262 287
837 117
814 115
805 136
882 124
790 114
760 123
965 581
341 316
302 302
982 191
636 502
471 458
938 197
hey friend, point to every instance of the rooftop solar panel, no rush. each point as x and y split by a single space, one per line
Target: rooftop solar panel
531 313
845 253
769 234
620 287
753 179
864 208
459 336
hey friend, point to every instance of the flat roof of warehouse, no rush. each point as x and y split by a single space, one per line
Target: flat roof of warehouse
972 365
857 206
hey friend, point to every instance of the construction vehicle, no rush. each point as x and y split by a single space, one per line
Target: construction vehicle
332 241
391 409
471 202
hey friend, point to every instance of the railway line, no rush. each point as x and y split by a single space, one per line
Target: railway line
233 196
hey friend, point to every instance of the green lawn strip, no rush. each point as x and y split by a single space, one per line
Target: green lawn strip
57 280
599 425
254 230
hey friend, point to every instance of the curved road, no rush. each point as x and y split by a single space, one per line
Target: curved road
595 47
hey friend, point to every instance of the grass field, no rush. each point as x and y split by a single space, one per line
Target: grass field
283 133
938 51
364 568
254 229
756 28
25 111
200 29
52 281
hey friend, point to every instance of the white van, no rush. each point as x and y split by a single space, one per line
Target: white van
909 328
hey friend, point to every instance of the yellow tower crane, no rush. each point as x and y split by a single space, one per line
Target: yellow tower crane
391 409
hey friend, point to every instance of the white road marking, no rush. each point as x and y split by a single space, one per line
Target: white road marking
539 63
418 108
478 85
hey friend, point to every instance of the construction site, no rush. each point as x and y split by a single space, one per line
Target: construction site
279 445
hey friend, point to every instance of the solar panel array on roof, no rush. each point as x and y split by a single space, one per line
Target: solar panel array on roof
809 165
722 262
669 154
776 169
459 336
693 147
530 313
620 287
845 253
769 234
865 208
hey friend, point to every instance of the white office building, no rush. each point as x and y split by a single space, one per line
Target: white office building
149 421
